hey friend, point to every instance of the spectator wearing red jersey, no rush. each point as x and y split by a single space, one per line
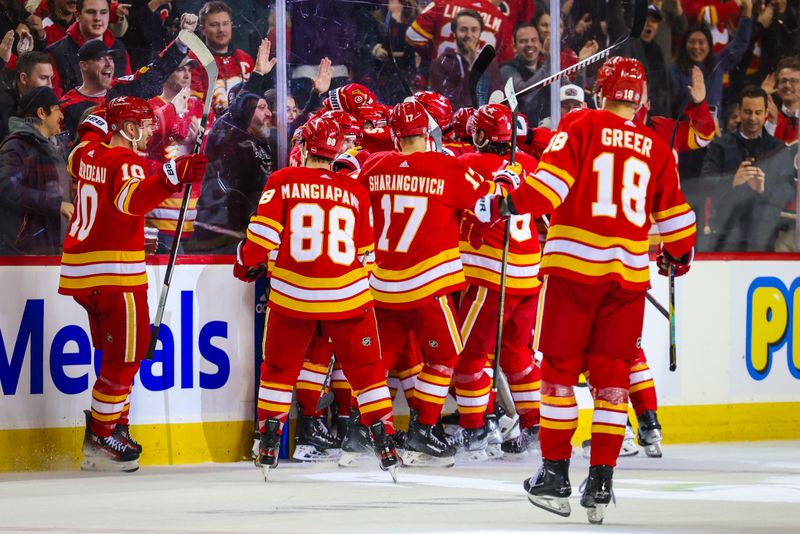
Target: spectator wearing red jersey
92 23
61 15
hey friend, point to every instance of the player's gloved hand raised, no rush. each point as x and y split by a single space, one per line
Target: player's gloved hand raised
488 209
509 177
472 230
244 272
185 169
665 260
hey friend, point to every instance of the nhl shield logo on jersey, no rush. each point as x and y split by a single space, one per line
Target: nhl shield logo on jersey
433 343
366 341
638 342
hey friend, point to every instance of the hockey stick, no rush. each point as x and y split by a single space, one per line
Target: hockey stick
673 349
639 18
498 342
210 65
327 398
657 305
479 66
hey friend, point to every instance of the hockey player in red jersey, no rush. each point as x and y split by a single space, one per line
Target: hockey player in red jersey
491 126
319 221
103 266
603 177
459 139
416 195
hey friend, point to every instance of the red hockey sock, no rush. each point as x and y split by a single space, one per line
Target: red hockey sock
341 391
430 392
643 389
558 421
309 386
608 425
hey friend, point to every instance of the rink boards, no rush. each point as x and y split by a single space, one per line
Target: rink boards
738 376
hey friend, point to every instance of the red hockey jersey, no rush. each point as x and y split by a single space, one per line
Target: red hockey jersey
603 178
169 141
482 266
415 199
233 67
320 223
432 27
104 245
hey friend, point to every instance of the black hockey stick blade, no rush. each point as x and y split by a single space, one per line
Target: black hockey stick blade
479 66
657 305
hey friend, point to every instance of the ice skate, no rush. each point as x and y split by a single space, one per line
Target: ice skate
597 492
107 454
123 434
526 442
549 488
495 443
356 443
425 449
269 447
470 444
385 450
509 426
649 434
313 441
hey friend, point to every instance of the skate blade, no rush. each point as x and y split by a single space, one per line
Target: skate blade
420 459
392 471
557 505
654 450
596 514
98 463
265 469
309 453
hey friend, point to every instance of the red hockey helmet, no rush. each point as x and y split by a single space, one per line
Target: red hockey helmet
349 124
350 97
127 108
494 120
458 126
374 113
322 138
409 118
437 105
622 79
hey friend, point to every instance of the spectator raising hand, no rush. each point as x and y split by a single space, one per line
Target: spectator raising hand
697 90
322 82
264 64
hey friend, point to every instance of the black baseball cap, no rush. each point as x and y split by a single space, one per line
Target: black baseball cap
653 11
94 49
38 97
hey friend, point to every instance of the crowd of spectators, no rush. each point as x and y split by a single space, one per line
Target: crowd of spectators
59 59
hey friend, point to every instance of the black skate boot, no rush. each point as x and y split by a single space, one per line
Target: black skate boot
313 441
470 444
107 454
425 449
384 449
342 424
526 442
269 447
549 488
123 434
356 442
597 492
650 434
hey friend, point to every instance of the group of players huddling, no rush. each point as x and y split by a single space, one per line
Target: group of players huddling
384 248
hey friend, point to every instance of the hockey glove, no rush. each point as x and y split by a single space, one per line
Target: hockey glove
244 272
681 265
472 230
509 177
185 169
489 209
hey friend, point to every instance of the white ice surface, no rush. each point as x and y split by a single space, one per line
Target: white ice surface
753 487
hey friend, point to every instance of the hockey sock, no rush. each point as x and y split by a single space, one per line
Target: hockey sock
525 390
608 425
558 421
643 389
375 404
473 386
110 395
309 386
430 392
341 391
123 416
274 401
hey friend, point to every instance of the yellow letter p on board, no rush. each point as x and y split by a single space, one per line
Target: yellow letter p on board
767 324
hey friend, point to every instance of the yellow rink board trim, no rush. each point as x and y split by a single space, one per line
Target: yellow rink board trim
59 448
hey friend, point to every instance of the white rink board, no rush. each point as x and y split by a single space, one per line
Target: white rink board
208 313
214 324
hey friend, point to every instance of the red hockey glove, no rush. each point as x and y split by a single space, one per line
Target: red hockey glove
185 169
243 272
681 265
472 230
509 177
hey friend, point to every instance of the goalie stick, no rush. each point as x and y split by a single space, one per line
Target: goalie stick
203 55
639 18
